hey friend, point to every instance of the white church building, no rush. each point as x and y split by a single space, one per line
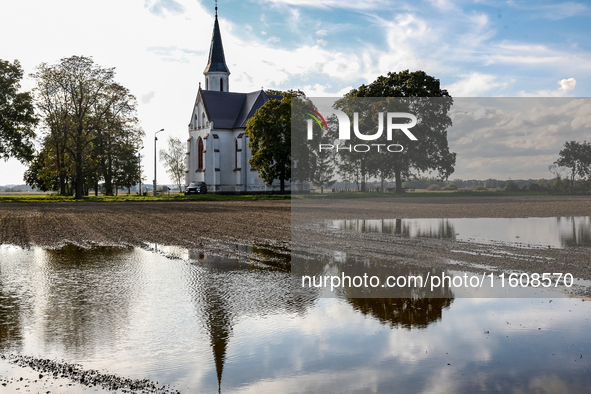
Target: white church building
217 148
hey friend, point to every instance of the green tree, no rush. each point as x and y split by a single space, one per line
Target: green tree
414 92
323 166
576 156
269 139
174 160
116 140
17 114
90 121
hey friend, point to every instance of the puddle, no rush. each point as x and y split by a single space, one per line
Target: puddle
201 323
229 255
559 232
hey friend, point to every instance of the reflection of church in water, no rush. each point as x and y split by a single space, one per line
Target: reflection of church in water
225 296
217 148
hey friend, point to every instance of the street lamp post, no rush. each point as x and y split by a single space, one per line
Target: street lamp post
139 161
155 139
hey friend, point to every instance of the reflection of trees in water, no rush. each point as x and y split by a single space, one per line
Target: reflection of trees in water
10 317
85 294
414 306
443 228
227 289
578 233
402 312
280 259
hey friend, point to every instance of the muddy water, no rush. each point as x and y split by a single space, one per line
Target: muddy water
202 322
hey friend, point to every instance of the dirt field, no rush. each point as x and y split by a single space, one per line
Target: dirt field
190 224
187 224
200 225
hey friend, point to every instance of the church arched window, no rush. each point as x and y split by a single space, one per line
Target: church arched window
206 83
221 84
200 154
203 121
236 154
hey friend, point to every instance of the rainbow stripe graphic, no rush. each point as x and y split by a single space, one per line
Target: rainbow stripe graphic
317 117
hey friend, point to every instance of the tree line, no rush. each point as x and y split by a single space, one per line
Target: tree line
271 129
90 131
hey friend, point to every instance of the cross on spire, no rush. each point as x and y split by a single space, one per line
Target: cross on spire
216 8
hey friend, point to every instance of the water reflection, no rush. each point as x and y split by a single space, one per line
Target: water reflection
234 288
10 327
408 306
435 228
557 232
210 323
403 312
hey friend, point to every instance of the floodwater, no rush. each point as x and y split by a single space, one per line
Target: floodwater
204 323
559 232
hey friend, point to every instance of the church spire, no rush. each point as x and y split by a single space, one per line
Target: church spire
217 60
216 72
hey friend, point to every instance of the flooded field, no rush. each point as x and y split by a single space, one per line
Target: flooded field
559 232
237 321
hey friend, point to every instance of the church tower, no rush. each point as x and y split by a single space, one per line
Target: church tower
217 75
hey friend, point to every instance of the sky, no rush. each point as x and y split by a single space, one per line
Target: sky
476 48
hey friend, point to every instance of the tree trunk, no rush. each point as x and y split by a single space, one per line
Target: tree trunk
363 188
398 177
62 184
79 176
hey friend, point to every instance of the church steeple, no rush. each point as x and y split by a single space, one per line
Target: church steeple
216 73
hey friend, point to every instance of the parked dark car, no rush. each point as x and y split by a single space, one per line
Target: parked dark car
196 188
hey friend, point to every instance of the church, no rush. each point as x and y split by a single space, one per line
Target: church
217 148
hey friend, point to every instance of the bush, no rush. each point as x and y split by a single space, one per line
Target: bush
434 187
512 187
563 186
451 186
480 188
534 187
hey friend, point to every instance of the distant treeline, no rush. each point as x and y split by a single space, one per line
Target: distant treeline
17 189
428 182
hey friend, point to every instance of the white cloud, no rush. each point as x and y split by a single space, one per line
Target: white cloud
559 11
567 84
146 98
474 84
318 90
444 5
159 6
321 33
346 4
513 137
321 42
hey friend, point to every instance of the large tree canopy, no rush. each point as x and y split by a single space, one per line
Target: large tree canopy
269 139
91 124
576 156
412 92
17 114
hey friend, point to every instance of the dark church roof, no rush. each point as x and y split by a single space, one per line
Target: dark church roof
217 60
230 110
